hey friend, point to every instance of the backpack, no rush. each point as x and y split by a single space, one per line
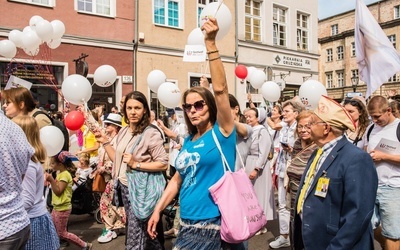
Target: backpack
59 125
397 131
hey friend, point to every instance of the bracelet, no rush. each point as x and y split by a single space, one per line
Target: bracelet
210 60
106 143
212 51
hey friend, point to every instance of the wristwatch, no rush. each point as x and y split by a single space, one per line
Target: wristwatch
138 166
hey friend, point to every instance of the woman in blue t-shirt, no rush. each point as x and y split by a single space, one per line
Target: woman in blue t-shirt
199 163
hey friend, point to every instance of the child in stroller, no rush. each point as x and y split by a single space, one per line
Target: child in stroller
83 171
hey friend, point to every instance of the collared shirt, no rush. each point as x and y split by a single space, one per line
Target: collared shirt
326 150
287 134
15 153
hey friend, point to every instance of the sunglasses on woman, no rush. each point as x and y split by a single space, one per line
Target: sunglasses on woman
198 106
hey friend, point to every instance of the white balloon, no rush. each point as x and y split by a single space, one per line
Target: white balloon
44 30
52 139
105 76
250 71
26 29
271 91
58 28
54 43
7 49
34 20
310 92
155 79
196 37
30 40
16 37
76 89
222 14
31 51
257 78
169 95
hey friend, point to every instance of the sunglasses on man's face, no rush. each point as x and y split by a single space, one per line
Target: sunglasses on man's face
198 106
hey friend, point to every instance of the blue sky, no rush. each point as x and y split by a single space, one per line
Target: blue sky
327 8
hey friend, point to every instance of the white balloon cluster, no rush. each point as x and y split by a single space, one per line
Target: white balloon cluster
168 93
38 32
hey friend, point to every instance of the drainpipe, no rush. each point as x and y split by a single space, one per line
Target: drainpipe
236 44
135 44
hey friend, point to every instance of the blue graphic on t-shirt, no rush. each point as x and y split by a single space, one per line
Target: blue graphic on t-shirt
186 163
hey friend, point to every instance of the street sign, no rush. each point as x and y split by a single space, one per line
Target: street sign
353 94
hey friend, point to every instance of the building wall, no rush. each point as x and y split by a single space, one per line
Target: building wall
106 40
163 48
263 54
383 12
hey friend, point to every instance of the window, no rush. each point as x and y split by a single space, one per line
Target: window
334 29
253 20
97 7
279 26
396 11
302 31
392 39
340 53
340 78
49 3
329 55
167 12
329 80
354 73
394 78
353 49
200 6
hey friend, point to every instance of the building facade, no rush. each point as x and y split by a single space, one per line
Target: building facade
338 68
279 37
96 32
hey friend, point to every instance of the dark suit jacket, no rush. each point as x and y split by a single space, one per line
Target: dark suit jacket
341 220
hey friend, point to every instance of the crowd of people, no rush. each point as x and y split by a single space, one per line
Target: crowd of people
336 169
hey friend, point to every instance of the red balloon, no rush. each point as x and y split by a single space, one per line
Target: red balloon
74 120
241 71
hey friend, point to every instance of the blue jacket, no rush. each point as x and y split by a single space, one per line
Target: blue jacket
341 220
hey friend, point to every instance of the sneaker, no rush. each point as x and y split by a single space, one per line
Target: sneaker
279 242
262 231
107 236
171 233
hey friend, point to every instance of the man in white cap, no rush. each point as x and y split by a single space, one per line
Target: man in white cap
336 196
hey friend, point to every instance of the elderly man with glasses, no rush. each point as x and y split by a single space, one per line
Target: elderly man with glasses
336 195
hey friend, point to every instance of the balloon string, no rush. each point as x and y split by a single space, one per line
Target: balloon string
220 3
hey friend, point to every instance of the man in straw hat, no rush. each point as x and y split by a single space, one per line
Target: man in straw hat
337 192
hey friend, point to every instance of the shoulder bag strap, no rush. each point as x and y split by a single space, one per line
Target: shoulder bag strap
225 163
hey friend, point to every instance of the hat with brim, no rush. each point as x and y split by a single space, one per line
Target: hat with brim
114 119
334 114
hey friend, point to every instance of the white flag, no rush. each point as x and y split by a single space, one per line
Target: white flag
16 82
377 59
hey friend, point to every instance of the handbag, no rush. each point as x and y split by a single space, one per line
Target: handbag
241 214
99 183
145 189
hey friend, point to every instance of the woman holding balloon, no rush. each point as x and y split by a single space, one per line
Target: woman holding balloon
199 163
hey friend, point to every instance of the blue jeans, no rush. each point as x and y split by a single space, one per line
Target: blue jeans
16 241
386 211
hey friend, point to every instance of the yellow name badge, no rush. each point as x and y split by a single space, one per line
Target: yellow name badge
322 187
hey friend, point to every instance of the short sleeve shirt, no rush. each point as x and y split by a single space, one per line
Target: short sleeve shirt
63 202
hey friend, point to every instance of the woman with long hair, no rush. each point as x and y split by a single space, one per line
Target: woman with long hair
43 232
199 164
358 112
139 147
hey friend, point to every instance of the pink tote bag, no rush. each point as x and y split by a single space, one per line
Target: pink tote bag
241 214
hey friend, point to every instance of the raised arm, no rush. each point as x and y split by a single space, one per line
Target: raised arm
218 78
